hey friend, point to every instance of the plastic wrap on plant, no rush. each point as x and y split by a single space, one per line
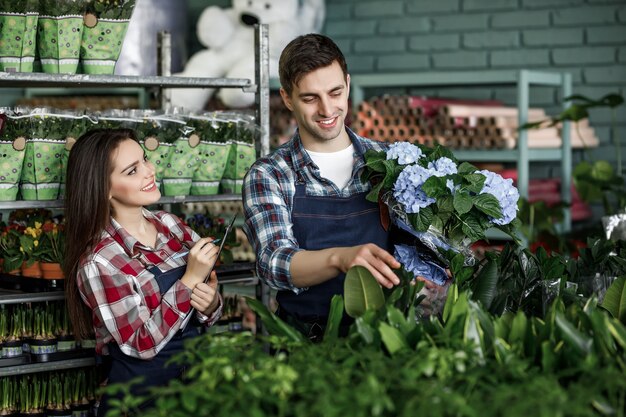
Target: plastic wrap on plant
432 238
615 226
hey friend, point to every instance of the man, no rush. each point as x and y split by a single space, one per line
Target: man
305 207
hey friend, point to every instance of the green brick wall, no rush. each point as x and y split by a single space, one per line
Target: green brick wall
584 37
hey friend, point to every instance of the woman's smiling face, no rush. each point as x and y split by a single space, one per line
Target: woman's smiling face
132 178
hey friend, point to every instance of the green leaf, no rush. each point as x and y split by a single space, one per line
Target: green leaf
445 204
466 168
602 171
615 299
393 340
435 187
422 220
488 204
374 192
582 168
572 336
362 292
475 182
575 112
472 228
273 324
334 318
486 283
462 202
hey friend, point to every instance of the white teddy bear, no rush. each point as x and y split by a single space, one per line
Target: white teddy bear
228 35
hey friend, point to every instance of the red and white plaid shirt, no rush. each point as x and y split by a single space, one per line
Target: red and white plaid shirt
124 296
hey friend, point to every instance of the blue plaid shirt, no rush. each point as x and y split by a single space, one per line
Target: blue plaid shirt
268 191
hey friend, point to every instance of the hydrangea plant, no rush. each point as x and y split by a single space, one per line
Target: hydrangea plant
445 205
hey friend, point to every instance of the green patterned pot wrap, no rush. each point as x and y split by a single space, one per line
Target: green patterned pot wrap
101 45
10 170
210 166
18 32
58 42
41 171
240 158
180 168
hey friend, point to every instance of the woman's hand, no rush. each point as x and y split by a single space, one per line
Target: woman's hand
200 260
204 296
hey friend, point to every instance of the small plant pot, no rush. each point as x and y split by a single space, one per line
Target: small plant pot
11 349
80 410
43 346
88 344
66 343
59 413
33 270
51 270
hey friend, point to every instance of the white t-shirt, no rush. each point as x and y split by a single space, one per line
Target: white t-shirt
335 166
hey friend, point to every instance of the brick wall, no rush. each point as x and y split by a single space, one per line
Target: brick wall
586 38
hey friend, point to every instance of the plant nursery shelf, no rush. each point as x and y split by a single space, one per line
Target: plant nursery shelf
24 80
31 368
17 297
22 204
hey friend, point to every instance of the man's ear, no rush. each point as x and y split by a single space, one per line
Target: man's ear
286 99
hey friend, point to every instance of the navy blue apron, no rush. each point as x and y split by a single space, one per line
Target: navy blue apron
155 373
321 223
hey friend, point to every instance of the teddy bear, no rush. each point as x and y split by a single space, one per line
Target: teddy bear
228 35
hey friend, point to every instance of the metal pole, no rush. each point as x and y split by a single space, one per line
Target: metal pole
164 64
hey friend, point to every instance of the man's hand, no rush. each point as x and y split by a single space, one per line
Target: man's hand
377 260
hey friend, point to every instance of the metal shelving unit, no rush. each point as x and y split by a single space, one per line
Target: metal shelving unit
259 86
523 80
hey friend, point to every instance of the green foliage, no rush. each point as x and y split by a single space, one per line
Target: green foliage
615 299
111 9
595 181
362 292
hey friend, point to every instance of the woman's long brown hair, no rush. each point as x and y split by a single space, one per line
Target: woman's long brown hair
87 212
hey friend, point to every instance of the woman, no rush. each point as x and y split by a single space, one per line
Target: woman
129 277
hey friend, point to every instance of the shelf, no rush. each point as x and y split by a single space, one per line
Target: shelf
24 80
17 297
512 155
47 366
22 204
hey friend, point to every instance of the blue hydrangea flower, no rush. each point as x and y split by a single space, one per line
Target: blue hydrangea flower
504 191
406 153
451 186
443 166
407 189
420 266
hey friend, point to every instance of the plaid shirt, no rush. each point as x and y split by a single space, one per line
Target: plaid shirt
124 296
268 191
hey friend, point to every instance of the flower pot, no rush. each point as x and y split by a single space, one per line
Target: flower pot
101 45
58 43
58 412
11 348
43 346
210 167
33 270
51 270
80 410
65 343
240 158
18 41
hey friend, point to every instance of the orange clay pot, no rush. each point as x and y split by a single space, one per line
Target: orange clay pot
51 270
32 271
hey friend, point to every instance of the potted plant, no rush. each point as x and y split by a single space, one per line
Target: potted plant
78 393
32 395
8 398
57 401
104 30
43 341
12 257
50 252
207 225
12 343
63 328
29 246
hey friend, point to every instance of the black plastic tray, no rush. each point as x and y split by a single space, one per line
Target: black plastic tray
22 359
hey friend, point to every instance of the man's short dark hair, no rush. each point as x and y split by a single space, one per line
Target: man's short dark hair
305 54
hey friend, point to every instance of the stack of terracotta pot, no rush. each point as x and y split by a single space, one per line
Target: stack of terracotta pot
458 124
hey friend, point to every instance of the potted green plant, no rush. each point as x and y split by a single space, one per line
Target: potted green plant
78 393
8 398
18 30
51 249
57 404
32 394
13 133
103 33
212 154
63 328
12 344
43 341
240 132
12 257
